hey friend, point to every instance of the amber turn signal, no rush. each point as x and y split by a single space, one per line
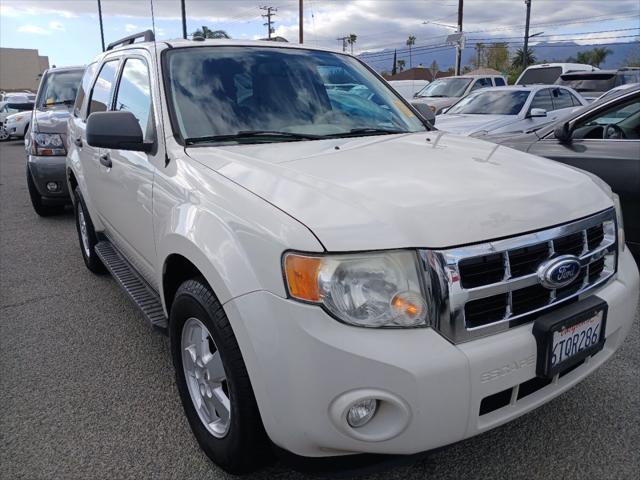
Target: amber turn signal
302 276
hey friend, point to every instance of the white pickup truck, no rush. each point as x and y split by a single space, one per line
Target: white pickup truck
335 275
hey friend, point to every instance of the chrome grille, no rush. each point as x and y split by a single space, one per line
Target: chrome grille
486 288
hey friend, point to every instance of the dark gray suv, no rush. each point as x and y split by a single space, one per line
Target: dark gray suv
46 141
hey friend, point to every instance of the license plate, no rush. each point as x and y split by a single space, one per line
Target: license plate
570 341
569 335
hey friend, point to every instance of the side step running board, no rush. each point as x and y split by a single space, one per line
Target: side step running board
136 288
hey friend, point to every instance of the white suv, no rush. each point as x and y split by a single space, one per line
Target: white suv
335 275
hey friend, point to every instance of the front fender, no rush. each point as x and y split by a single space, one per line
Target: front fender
233 237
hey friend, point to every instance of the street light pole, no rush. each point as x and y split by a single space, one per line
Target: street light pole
184 20
300 21
100 18
525 52
458 48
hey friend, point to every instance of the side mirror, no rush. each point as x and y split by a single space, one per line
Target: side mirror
116 130
537 112
562 132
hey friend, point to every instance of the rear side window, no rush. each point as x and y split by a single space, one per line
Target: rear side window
481 83
103 88
499 82
84 88
544 75
134 94
561 98
542 100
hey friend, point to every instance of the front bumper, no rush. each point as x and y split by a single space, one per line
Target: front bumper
50 169
305 367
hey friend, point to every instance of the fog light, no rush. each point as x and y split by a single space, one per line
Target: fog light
361 412
52 186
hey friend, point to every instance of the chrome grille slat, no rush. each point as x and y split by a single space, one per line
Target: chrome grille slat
506 303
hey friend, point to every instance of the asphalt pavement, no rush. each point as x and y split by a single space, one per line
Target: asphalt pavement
87 391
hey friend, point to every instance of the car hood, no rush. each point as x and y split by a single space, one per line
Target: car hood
466 124
429 189
52 120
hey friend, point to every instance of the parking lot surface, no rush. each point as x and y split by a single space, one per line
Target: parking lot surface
87 390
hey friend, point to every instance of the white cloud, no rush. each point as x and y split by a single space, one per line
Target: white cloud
33 29
56 26
130 28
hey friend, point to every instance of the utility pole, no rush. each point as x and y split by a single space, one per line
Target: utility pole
101 30
184 20
458 48
300 21
525 52
344 42
270 13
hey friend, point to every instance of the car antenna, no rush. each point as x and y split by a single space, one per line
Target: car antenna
155 48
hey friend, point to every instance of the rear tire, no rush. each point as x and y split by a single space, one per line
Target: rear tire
86 234
36 200
202 346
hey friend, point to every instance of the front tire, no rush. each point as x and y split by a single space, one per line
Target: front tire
213 382
86 234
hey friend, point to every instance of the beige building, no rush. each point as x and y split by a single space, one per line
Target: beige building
21 68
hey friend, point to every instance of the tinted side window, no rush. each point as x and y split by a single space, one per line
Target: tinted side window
134 94
103 88
499 81
561 98
574 99
543 100
482 83
84 88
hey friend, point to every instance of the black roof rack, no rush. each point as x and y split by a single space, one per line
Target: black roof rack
147 35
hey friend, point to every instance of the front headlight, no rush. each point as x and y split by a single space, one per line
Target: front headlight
620 221
379 289
47 144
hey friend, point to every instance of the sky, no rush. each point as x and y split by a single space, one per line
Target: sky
67 31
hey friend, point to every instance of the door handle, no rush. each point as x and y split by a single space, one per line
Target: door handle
78 141
105 160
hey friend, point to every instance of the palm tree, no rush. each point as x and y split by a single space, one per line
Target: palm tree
598 55
584 57
518 60
411 41
401 64
205 32
351 40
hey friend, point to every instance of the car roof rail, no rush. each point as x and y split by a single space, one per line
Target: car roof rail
147 35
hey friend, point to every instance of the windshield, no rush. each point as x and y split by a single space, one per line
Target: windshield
10 107
238 92
492 102
586 84
445 87
544 75
60 88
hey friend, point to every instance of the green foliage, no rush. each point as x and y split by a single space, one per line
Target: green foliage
518 60
594 57
206 32
401 63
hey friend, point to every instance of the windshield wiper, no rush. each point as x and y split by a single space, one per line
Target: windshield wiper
251 134
354 132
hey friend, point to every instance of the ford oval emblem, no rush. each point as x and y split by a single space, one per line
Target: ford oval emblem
559 272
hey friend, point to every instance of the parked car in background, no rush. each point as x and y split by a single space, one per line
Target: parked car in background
617 90
46 143
509 109
18 97
336 279
592 85
13 104
408 88
444 92
603 138
548 73
17 124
